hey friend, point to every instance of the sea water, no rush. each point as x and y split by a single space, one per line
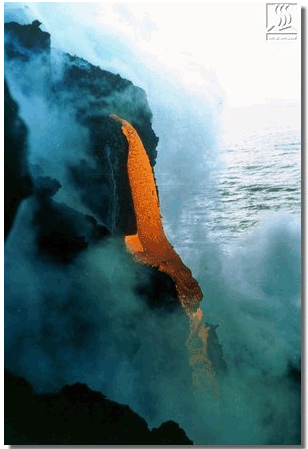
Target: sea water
238 230
257 176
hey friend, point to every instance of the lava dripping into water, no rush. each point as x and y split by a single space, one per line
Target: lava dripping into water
151 246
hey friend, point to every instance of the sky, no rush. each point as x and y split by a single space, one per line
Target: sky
226 39
218 47
216 52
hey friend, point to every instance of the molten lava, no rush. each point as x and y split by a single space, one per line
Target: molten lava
151 246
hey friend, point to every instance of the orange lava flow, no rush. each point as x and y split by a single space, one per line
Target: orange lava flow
151 246
204 377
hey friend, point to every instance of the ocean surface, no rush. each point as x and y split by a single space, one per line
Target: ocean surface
256 177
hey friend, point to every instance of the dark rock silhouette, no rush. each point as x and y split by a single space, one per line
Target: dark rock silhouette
77 416
87 95
22 42
215 352
45 186
91 94
62 232
29 36
17 180
168 433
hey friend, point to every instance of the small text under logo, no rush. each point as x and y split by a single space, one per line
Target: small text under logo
281 21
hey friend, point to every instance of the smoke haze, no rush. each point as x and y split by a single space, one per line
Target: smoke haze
85 321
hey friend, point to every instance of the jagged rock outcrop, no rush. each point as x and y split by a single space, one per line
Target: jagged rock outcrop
17 180
77 415
24 41
90 94
82 96
168 433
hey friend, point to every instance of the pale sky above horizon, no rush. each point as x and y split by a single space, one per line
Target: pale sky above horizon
218 40
206 46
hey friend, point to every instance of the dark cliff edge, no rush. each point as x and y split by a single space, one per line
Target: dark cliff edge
88 94
17 180
82 97
77 415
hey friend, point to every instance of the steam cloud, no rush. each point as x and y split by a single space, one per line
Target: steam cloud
85 322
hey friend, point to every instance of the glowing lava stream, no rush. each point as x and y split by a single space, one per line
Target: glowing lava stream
151 246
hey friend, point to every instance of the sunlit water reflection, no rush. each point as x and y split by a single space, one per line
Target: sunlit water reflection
258 175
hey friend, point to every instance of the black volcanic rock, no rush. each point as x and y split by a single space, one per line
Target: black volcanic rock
100 179
29 37
294 373
97 93
170 433
62 232
157 289
77 416
90 94
81 97
17 180
46 186
215 352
